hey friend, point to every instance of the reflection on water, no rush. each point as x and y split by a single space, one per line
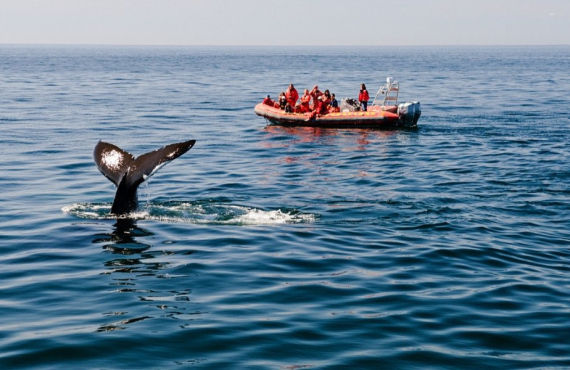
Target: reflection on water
120 325
352 139
303 134
122 239
139 275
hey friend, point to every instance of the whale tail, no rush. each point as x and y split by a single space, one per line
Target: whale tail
128 172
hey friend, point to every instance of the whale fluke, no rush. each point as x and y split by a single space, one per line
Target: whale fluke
128 172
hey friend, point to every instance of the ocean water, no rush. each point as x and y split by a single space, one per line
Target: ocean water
285 248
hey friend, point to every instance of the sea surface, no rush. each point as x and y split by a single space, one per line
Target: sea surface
265 247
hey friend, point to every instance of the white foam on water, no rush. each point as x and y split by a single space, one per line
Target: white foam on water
90 211
99 212
195 213
276 217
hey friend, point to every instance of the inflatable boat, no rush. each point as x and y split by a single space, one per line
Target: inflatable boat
389 114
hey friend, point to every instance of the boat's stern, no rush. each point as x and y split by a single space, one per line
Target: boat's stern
409 113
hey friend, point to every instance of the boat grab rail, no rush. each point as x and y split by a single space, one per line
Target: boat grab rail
390 91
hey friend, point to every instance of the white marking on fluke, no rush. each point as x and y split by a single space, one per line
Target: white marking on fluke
112 159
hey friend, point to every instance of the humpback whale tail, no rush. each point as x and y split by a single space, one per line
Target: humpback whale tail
128 172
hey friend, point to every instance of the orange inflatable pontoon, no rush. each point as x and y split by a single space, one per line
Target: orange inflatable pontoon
375 117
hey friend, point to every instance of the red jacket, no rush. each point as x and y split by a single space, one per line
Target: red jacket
292 95
363 96
305 100
322 105
325 105
315 93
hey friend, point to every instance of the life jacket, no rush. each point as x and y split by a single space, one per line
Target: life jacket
324 108
363 96
321 106
315 95
305 100
292 95
304 106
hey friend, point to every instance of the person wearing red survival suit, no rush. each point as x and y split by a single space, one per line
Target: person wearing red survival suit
322 105
268 101
315 93
325 102
291 95
363 97
304 107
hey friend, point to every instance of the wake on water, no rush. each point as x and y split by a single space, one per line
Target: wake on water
197 212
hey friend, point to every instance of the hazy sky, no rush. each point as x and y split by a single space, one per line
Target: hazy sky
290 22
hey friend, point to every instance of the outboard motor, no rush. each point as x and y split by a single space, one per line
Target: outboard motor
409 113
349 105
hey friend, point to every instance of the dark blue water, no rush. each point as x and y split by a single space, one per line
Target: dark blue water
265 247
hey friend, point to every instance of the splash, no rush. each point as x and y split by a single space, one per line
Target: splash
199 212
260 217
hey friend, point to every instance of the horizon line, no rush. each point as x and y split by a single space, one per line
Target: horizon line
279 45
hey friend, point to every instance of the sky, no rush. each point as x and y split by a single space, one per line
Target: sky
289 23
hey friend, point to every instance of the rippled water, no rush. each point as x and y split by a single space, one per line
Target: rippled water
269 247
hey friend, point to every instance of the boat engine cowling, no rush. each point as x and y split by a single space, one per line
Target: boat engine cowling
349 105
409 113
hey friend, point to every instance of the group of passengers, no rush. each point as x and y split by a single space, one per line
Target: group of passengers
315 101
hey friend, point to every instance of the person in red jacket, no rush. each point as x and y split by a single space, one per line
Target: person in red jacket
325 102
363 97
315 93
304 107
268 101
291 95
322 104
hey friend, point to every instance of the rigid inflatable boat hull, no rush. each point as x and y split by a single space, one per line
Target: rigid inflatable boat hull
375 117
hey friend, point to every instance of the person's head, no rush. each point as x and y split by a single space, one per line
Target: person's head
291 86
268 97
333 96
363 87
327 93
306 91
315 88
